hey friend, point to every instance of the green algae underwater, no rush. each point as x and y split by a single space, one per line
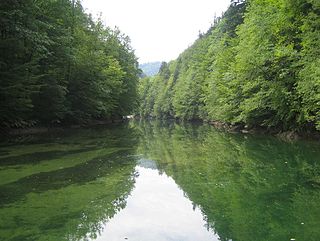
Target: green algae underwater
158 181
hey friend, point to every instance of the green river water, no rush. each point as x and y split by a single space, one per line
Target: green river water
152 181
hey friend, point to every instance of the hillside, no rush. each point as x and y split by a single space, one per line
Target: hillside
151 68
58 65
258 66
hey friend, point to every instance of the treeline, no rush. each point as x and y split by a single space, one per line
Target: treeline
57 65
259 66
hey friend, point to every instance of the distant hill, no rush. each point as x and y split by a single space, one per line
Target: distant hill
150 69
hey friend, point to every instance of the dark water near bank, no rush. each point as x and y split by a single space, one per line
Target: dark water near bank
158 182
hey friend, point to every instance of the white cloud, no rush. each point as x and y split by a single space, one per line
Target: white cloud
159 30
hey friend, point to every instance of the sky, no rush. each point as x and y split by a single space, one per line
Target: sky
159 29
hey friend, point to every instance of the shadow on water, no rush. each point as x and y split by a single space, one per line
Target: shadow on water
80 174
92 172
248 187
36 157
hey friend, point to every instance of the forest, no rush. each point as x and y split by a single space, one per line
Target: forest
257 66
59 66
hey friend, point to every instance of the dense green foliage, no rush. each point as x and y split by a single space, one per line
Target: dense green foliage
257 66
58 65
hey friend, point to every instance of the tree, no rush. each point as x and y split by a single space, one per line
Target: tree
57 65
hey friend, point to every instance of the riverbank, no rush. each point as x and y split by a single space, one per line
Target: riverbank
289 135
7 132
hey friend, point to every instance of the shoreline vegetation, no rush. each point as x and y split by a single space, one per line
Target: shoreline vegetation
59 66
257 69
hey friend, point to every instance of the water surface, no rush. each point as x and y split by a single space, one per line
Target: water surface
157 210
158 181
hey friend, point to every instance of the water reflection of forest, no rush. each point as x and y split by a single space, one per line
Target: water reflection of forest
248 187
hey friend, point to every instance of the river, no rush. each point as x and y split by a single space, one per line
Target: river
154 181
